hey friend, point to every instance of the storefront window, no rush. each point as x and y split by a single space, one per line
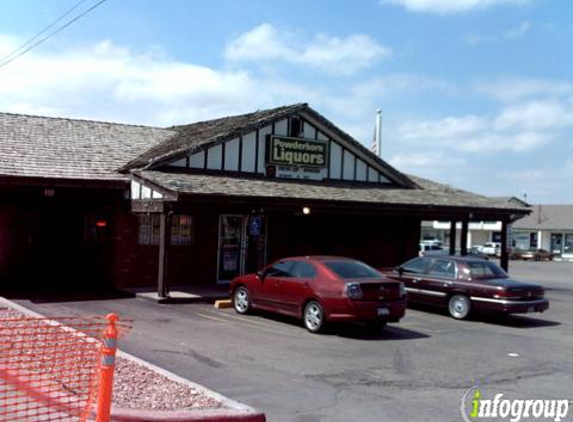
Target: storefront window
96 229
556 243
568 244
181 230
521 240
145 223
150 226
533 240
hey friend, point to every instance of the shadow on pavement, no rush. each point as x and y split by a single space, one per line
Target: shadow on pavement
64 295
359 331
518 321
350 330
515 321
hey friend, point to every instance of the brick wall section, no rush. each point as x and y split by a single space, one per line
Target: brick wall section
137 265
379 241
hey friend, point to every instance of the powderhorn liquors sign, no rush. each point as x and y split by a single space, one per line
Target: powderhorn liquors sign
297 152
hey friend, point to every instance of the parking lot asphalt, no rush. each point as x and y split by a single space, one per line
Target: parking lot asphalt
415 370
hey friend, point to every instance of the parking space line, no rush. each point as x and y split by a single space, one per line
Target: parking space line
266 323
211 317
244 320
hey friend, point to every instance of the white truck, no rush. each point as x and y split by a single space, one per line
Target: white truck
490 248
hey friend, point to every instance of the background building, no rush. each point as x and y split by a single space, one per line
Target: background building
548 227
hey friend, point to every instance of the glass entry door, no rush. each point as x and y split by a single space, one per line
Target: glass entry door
232 246
242 245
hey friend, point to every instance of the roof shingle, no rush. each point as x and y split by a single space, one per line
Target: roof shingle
47 147
547 217
428 194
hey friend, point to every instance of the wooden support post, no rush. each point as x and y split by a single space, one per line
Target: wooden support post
166 218
464 238
453 237
504 259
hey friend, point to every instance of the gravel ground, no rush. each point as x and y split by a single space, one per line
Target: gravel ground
138 387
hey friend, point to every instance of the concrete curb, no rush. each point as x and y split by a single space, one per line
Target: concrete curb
230 411
224 304
208 415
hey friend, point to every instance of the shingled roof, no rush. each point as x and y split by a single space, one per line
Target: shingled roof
46 147
427 194
60 148
547 217
192 137
202 135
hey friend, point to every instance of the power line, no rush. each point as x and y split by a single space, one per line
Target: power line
13 56
70 10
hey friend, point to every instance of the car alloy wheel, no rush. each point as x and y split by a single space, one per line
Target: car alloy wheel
242 301
313 317
459 306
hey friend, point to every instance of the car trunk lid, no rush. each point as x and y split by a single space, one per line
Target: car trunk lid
376 290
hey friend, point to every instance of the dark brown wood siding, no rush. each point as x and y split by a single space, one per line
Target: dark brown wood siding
378 240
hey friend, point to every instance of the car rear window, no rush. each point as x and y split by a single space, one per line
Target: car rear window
352 269
479 269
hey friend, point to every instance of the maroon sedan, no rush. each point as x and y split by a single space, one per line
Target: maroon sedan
320 289
465 284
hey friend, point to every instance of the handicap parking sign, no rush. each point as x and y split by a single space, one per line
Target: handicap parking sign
255 226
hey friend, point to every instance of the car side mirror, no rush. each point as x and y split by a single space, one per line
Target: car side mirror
261 275
399 270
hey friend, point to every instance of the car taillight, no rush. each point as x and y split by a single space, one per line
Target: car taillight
353 291
506 294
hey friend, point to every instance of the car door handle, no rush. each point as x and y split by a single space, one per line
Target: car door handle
416 280
306 284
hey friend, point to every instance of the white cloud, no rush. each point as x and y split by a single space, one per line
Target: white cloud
446 128
471 134
332 54
408 162
489 142
516 88
543 183
449 6
402 84
518 32
106 81
511 34
536 115
475 39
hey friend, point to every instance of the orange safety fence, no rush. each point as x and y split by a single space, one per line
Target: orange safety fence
55 369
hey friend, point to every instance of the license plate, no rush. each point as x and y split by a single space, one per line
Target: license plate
530 309
383 311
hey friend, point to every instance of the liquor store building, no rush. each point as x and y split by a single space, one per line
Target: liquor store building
93 203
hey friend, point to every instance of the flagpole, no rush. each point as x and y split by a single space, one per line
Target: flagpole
379 133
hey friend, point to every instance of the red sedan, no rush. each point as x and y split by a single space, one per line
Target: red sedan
321 289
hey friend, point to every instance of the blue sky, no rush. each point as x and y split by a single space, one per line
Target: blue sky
474 93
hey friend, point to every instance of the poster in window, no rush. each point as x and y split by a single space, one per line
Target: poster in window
230 261
185 229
